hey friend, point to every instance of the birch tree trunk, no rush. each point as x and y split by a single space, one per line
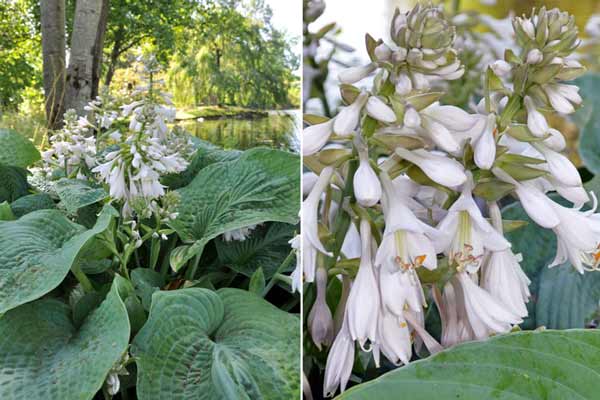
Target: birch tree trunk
53 53
85 51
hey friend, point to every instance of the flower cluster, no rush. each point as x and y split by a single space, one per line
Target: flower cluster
405 184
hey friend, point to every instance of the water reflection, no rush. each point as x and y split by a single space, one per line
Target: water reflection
280 130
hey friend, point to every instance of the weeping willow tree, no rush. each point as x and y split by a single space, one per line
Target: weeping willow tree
234 56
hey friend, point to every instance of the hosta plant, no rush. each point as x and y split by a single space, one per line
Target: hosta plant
407 251
135 260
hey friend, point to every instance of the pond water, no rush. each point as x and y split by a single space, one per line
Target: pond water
279 130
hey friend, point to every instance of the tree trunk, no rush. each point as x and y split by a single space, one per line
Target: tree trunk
53 54
98 48
114 57
87 31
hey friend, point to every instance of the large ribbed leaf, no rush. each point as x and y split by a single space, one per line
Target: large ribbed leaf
76 194
231 344
16 150
13 183
37 251
43 356
31 202
262 185
265 248
527 365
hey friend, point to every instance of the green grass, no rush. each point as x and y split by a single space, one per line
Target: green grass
32 126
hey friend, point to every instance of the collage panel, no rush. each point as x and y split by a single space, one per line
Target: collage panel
450 232
149 199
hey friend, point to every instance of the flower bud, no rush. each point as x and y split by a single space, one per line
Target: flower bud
556 140
355 74
536 122
380 111
440 169
403 85
501 68
320 320
534 56
314 137
383 52
412 118
346 121
367 188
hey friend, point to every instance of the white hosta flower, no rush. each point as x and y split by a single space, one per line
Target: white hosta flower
340 361
380 111
440 135
401 290
315 137
367 188
239 235
504 279
295 244
383 52
320 320
485 315
362 307
563 98
403 85
575 194
412 119
113 384
536 122
454 326
354 74
351 245
561 168
310 224
467 233
395 340
441 169
347 120
534 56
501 68
592 26
555 141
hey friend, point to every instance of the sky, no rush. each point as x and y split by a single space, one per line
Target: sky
287 16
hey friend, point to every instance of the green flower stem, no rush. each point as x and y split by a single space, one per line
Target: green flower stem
342 220
280 269
192 272
82 278
164 266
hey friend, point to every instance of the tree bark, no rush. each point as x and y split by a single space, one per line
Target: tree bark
87 30
114 57
99 47
53 54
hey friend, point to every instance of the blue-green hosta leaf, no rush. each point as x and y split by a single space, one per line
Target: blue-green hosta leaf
265 248
261 185
37 251
530 365
44 356
76 194
31 202
16 150
588 121
13 183
231 344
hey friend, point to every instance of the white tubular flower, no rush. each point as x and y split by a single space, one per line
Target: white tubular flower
536 122
562 97
315 137
504 279
575 194
340 361
400 290
297 273
239 235
485 315
403 85
320 320
355 74
467 233
394 338
347 120
412 119
454 327
561 168
440 135
501 68
367 188
363 302
534 56
310 224
441 169
377 109
556 140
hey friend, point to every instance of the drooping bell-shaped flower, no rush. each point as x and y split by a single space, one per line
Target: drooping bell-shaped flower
362 307
561 168
310 224
354 74
315 137
340 361
504 279
346 121
367 188
563 98
536 122
441 169
320 320
395 340
380 111
467 234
